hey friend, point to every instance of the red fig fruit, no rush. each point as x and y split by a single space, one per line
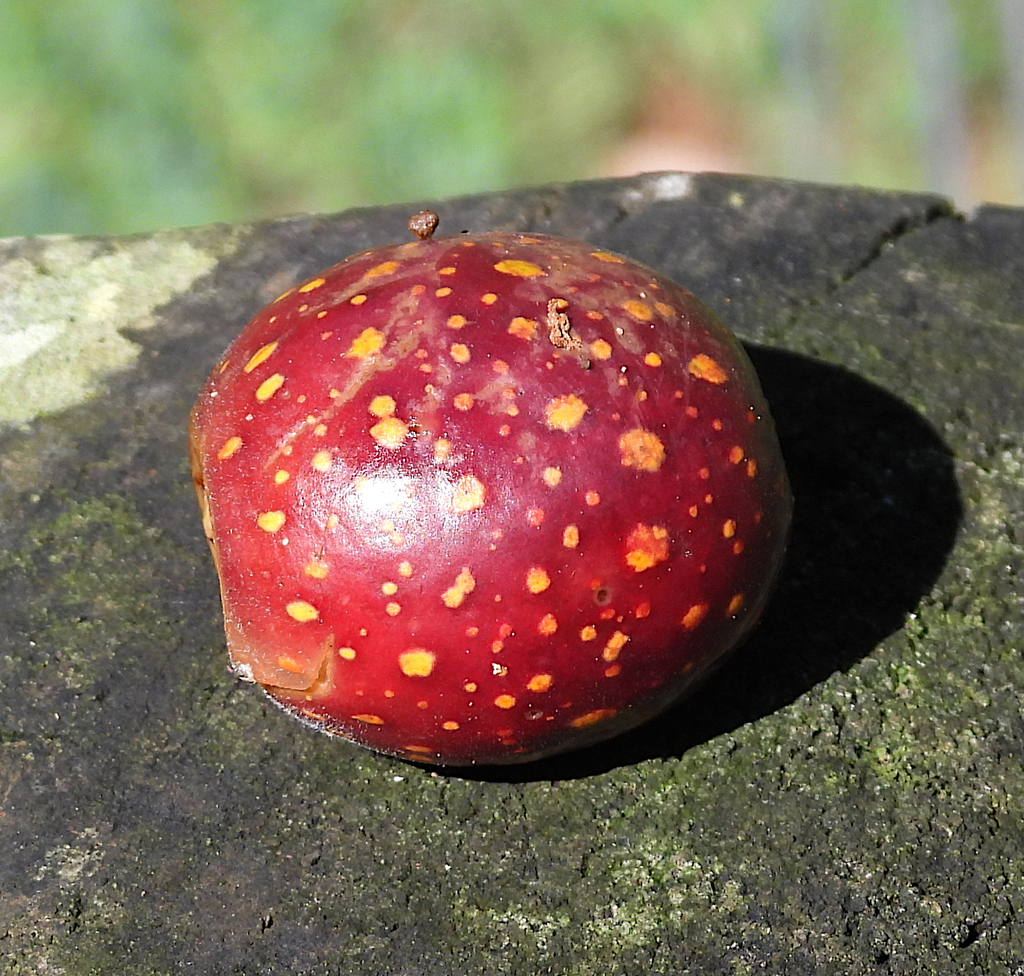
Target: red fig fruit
485 498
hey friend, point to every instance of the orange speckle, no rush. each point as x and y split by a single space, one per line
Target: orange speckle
704 474
459 352
551 476
734 604
643 610
417 662
470 686
735 454
664 308
369 341
418 289
489 299
261 355
312 285
290 664
693 510
612 671
607 256
600 349
703 367
646 546
302 611
463 401
269 387
738 547
548 625
639 310
588 633
449 270
571 536
519 269
347 653
442 449
469 494
537 580
523 328
500 366
565 412
539 682
592 718
281 476
535 516
368 719
322 461
751 468
652 359
383 406
456 593
729 528
405 569
317 569
393 609
320 429
450 726
230 446
270 521
389 432
456 321
505 701
357 300
389 588
379 270
592 498
615 644
642 449
333 521
716 424
443 292
694 615
504 430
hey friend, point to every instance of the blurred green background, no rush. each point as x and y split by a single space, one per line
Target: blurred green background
128 115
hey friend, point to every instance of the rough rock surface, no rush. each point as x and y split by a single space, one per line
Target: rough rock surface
845 796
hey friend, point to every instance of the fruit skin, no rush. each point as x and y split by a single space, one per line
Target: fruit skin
485 498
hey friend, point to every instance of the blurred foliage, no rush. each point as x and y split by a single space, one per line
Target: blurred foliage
139 114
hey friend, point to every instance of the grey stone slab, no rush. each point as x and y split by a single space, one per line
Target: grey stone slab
846 795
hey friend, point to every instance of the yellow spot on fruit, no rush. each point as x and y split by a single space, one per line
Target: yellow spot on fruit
734 604
552 476
230 446
735 454
647 545
505 701
270 521
729 528
381 269
368 718
592 718
489 299
523 328
450 726
281 476
537 580
652 359
606 256
316 568
548 625
389 588
389 432
694 615
565 412
641 449
615 644
459 352
269 387
614 670
600 349
592 498
442 448
519 269
639 310
588 633
393 609
322 461
463 401
539 682
302 611
347 653
751 468
456 321
357 299
405 569
738 547
383 406
261 355
443 292
469 494
456 593
643 610
417 662
447 271
703 367
290 664
571 536
369 341
312 285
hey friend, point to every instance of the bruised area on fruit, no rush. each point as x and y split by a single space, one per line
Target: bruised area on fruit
484 498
